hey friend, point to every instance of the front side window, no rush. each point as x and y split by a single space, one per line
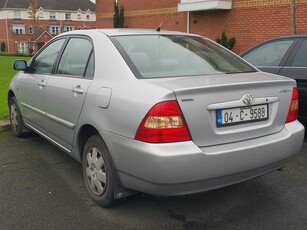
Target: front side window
300 59
269 54
44 62
75 57
178 55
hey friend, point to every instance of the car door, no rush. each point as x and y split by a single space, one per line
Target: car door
270 56
66 89
32 86
296 67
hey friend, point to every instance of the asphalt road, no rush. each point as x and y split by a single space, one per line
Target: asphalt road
42 188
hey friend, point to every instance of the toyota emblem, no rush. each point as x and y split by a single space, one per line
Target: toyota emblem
248 99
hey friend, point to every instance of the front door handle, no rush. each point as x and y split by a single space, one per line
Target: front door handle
78 90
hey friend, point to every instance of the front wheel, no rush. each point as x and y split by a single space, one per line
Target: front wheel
17 125
98 171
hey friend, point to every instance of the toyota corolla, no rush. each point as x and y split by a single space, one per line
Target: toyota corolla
163 113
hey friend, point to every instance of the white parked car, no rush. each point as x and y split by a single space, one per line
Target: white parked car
164 113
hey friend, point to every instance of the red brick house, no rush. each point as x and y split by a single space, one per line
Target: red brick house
55 16
250 21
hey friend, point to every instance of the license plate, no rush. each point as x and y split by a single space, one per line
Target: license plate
234 116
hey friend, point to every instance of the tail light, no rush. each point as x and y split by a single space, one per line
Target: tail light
293 110
164 123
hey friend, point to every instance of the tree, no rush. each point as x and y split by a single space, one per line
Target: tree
119 16
33 14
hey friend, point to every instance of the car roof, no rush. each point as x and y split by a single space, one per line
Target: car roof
125 31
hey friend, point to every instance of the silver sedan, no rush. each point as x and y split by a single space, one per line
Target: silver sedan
159 112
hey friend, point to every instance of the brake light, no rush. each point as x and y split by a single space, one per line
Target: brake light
164 123
293 110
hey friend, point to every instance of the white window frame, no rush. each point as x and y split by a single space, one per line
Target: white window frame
23 47
68 28
54 29
52 15
68 16
19 29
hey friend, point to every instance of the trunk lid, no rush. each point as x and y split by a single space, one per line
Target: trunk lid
201 97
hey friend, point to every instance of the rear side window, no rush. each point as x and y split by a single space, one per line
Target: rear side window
76 57
300 59
44 62
269 54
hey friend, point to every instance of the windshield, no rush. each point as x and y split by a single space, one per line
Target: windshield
157 56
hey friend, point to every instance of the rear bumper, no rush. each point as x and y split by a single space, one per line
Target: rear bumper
183 168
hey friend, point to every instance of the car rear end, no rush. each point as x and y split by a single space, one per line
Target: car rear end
226 122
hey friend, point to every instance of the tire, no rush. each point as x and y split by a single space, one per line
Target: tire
98 172
17 125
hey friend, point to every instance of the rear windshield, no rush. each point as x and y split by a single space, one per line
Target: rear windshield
155 56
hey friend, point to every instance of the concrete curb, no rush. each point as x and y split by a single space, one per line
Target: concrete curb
4 127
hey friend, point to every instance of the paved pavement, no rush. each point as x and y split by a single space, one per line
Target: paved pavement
41 187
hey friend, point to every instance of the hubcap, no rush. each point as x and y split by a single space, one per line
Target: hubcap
95 171
14 117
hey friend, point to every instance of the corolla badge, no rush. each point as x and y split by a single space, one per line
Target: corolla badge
248 99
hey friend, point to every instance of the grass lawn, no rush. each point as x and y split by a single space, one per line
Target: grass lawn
6 74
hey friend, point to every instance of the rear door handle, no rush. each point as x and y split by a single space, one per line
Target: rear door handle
42 83
78 90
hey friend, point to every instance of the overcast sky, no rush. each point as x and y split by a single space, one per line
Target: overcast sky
94 1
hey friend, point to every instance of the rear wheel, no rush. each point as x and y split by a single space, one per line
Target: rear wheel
98 171
17 125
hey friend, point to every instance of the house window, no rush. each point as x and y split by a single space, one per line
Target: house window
22 47
87 17
68 16
30 30
55 29
17 14
79 16
19 29
68 28
52 15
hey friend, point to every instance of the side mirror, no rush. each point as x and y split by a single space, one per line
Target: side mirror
20 65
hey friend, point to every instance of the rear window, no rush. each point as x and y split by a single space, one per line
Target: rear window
155 56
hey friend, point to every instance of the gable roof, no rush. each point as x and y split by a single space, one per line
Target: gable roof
71 5
40 32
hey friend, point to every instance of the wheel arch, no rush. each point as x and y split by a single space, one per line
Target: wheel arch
85 132
9 96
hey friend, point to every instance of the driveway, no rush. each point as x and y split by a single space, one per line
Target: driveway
41 187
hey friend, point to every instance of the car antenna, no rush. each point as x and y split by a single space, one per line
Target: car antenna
159 27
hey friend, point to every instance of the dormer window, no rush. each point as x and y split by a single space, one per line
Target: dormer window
79 14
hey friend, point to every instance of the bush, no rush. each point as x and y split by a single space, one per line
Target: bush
119 16
224 41
15 54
